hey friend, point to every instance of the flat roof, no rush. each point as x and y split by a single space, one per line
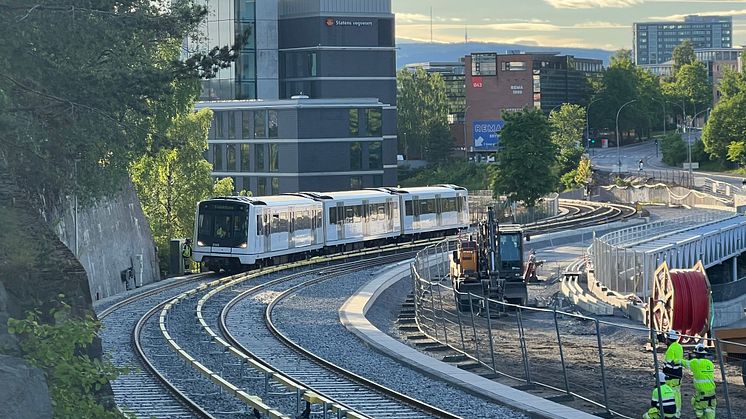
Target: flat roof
288 103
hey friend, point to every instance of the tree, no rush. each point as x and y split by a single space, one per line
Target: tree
731 83
683 54
737 152
673 149
523 170
568 125
171 182
93 86
693 86
584 173
727 124
422 115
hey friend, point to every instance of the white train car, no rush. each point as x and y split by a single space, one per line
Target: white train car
441 208
360 216
232 232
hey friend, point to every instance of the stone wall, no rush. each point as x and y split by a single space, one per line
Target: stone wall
113 235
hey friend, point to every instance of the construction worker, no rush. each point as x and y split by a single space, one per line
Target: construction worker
186 254
663 399
704 400
672 366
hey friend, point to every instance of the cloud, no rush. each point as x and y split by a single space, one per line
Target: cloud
598 25
411 18
590 4
741 12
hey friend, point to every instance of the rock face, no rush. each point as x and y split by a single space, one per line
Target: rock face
25 393
112 235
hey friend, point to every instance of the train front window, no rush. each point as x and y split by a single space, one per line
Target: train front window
223 224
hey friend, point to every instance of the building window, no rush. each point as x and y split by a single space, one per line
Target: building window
260 124
356 182
513 66
275 186
245 153
245 184
219 116
274 157
356 156
217 157
246 124
483 64
231 125
312 64
375 155
373 122
259 158
261 186
230 153
272 124
354 126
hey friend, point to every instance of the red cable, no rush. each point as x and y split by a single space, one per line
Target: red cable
700 305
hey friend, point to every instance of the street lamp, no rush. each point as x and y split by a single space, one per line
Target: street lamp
618 139
689 139
587 124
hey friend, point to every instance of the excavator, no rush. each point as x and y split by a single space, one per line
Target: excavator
489 264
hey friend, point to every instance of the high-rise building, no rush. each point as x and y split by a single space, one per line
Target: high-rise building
310 104
654 42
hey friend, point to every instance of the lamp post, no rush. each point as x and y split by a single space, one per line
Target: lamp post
587 123
618 139
689 139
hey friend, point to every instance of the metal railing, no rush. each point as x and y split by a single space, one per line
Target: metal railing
569 354
510 211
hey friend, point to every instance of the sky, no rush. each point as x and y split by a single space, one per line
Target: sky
605 24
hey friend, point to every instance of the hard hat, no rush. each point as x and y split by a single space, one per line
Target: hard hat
661 377
672 335
700 349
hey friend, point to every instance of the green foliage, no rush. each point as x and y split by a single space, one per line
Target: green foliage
523 170
422 115
731 83
737 152
568 179
472 176
97 83
584 172
693 85
59 350
568 125
727 123
170 182
683 54
673 149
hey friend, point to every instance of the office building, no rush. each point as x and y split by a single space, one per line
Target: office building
654 42
311 71
499 83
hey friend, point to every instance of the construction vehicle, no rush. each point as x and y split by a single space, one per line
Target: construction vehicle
489 264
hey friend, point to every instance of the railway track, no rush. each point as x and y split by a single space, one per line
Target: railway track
581 214
143 392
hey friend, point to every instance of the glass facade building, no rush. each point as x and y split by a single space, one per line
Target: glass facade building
654 42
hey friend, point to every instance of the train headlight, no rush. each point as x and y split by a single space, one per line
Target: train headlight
243 245
200 243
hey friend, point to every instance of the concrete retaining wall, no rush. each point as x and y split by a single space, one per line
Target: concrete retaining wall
729 312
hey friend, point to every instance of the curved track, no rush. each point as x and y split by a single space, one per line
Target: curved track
581 214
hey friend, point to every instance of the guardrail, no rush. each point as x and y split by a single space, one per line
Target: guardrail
573 354
509 211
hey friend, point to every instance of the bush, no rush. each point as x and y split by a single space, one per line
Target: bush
60 351
472 176
674 149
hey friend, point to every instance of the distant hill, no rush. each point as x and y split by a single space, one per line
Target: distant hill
417 52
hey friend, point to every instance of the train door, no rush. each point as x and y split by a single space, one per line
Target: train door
415 213
340 221
366 213
267 239
291 226
438 211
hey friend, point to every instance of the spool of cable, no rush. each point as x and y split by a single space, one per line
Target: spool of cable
681 300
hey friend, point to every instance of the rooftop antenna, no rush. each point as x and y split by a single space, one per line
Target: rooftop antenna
431 24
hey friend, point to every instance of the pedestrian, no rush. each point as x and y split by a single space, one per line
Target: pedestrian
673 366
640 164
704 400
186 254
662 401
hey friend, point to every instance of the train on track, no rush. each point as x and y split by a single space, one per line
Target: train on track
238 233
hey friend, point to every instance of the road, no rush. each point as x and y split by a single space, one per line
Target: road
607 159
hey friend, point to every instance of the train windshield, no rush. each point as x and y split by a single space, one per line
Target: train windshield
511 249
223 224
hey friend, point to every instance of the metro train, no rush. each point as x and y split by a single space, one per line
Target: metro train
237 232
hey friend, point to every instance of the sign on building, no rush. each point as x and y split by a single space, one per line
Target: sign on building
476 82
486 134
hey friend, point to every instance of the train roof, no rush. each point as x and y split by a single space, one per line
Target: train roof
270 201
424 189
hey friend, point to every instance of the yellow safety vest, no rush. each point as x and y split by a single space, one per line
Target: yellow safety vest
703 374
665 400
187 252
673 362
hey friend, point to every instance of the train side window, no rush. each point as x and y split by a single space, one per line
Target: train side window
259 226
349 214
358 213
333 215
408 208
275 226
424 207
381 212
